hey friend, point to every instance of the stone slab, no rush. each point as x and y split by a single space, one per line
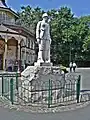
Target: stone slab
42 64
42 73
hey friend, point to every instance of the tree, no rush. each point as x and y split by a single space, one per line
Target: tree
70 35
85 20
61 25
30 16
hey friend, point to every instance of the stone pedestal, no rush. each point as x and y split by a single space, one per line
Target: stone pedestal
42 64
42 72
40 79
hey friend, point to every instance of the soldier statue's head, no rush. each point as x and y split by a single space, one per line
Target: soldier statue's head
45 17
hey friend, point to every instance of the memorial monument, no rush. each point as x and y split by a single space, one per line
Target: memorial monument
43 72
43 39
43 67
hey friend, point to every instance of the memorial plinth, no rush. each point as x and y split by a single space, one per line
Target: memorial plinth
42 64
39 79
42 71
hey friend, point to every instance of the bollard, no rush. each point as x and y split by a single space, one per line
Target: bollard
78 88
11 90
50 94
2 86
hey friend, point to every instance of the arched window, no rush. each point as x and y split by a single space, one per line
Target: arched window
28 43
31 44
23 55
22 43
2 16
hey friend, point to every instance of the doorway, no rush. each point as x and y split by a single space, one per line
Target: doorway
1 61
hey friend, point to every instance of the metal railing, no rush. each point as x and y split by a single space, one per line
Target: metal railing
49 93
7 80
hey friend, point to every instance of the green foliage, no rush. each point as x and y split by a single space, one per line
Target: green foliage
70 35
30 16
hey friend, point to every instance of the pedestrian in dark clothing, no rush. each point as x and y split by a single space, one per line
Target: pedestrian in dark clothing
74 66
70 66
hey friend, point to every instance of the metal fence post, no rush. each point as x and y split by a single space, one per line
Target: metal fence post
51 91
31 91
78 88
11 90
49 94
2 86
17 81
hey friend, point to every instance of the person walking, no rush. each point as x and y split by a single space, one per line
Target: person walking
70 66
74 66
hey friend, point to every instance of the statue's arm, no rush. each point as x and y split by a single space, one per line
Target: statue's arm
42 30
38 30
49 37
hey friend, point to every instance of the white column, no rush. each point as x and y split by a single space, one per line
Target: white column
25 51
18 55
5 54
18 50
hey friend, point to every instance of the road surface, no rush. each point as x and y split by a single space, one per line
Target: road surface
79 114
85 73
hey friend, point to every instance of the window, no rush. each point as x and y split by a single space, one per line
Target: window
26 56
6 18
31 44
33 57
23 55
10 19
2 16
28 43
29 58
22 43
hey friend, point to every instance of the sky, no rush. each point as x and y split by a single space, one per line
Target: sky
78 7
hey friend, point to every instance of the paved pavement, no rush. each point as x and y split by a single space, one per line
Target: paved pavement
85 77
79 114
85 72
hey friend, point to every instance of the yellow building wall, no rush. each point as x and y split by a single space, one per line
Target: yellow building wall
7 17
7 13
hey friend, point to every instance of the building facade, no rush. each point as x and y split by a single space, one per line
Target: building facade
17 44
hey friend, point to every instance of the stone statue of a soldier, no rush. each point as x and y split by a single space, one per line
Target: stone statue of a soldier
43 39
